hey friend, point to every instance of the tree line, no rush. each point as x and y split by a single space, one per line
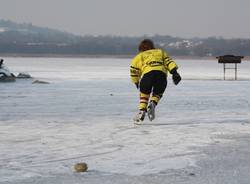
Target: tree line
29 39
106 45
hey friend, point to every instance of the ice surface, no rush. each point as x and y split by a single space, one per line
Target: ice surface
85 114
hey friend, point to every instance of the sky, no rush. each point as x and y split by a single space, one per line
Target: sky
182 18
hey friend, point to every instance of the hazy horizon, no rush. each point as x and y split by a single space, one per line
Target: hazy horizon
193 18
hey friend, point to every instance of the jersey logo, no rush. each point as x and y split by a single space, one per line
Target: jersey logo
154 63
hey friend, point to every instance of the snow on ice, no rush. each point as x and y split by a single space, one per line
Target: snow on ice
84 114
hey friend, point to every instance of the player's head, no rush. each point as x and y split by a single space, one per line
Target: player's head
146 44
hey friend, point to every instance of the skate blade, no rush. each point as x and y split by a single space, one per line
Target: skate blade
151 118
137 121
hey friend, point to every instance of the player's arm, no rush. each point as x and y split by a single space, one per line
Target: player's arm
135 71
172 67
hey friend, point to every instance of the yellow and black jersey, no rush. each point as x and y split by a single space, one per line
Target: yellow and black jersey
155 59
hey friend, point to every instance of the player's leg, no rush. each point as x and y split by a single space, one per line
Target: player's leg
145 90
159 86
144 98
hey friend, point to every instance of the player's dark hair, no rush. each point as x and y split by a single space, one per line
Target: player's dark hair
146 44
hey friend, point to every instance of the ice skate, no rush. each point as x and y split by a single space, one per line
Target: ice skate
151 111
139 117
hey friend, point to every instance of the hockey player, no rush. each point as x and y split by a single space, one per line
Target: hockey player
148 71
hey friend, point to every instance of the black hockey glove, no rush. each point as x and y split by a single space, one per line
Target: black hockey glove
137 85
176 76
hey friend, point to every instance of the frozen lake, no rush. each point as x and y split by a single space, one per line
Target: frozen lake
201 133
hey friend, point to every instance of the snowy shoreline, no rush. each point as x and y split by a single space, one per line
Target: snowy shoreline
246 58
